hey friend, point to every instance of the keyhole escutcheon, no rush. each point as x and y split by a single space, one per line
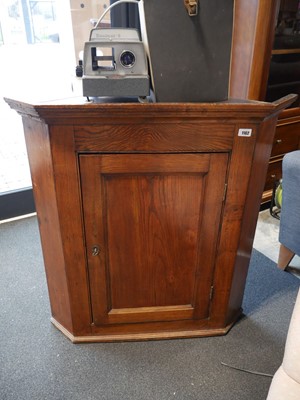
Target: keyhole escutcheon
95 250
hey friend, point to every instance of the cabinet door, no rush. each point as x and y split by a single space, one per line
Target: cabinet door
151 223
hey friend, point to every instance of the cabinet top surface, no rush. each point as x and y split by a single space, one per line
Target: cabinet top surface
78 110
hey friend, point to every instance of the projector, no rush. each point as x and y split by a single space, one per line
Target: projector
115 64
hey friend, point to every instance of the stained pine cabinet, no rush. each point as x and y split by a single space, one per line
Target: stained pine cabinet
147 212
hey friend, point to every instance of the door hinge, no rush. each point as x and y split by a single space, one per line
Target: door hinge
211 293
225 192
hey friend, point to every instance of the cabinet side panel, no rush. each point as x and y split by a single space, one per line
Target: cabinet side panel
253 200
40 160
71 226
238 179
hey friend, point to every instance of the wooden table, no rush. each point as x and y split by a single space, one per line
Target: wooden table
147 212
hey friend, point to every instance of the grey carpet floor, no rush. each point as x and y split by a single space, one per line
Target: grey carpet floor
37 362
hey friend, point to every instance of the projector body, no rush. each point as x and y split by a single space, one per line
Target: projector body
115 64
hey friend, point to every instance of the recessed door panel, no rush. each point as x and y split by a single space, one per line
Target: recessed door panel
152 224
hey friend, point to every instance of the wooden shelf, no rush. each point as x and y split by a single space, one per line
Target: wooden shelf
285 51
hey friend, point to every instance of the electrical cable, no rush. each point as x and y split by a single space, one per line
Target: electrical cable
113 5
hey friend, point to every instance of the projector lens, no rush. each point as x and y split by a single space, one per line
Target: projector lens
127 59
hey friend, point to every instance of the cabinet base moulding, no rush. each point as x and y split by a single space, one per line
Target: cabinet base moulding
145 336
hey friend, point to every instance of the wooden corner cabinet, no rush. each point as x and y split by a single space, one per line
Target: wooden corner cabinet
147 212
